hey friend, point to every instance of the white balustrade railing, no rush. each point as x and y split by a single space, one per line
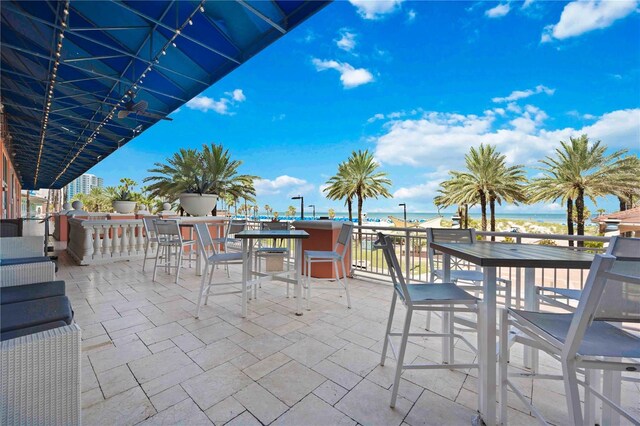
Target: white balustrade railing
104 241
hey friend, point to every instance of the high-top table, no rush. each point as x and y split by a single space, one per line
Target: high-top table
492 256
248 238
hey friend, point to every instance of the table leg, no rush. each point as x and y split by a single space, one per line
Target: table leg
199 256
245 274
611 388
530 304
487 347
298 266
447 342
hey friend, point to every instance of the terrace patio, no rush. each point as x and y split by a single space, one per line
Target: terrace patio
145 358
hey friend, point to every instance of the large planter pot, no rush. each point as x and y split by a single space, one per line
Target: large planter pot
124 207
198 205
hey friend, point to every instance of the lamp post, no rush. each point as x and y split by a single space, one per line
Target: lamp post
314 210
404 208
301 198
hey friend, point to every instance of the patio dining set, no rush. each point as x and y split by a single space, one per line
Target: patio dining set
589 332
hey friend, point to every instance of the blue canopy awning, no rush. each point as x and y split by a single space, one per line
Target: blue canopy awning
81 79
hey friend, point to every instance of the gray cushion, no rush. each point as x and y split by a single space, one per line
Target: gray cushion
565 292
14 316
601 338
31 330
24 260
21 293
437 292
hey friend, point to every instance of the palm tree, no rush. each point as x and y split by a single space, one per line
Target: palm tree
268 209
581 169
626 195
291 211
339 187
365 179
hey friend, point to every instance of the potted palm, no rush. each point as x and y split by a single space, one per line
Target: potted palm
123 199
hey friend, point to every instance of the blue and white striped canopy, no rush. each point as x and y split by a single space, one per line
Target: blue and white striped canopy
70 68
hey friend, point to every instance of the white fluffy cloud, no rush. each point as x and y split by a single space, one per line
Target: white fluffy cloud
437 138
376 9
521 94
499 11
287 184
426 190
349 76
579 17
221 106
347 40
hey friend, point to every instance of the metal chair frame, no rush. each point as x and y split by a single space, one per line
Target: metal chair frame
150 236
262 251
169 239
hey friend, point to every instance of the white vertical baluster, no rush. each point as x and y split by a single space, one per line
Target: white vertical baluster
96 241
87 248
139 238
123 240
132 239
115 243
106 241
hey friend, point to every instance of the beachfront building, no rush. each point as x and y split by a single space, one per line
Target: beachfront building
626 222
83 185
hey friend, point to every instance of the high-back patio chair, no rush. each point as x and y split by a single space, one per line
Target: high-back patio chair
443 297
336 256
585 341
471 279
170 244
276 249
213 258
150 236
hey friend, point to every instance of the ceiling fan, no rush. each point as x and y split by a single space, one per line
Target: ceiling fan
139 108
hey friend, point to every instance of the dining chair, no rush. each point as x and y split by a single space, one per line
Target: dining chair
336 256
263 251
442 297
212 258
228 240
150 236
470 279
586 340
170 240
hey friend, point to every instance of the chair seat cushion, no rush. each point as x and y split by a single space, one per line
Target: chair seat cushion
24 260
316 254
8 335
436 292
465 275
35 312
601 338
566 292
277 250
21 293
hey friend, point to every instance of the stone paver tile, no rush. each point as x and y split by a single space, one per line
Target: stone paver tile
433 409
116 380
214 332
368 404
224 411
182 413
338 374
126 408
244 360
330 392
187 342
265 345
169 397
264 406
91 397
444 382
88 377
356 359
291 382
272 320
372 330
215 354
131 330
313 411
156 365
308 351
358 339
266 366
215 385
95 344
116 356
161 346
163 332
124 322
172 378
92 330
244 419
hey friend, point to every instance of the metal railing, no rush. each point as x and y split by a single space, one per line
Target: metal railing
412 250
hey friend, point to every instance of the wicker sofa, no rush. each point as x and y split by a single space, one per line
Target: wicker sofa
39 350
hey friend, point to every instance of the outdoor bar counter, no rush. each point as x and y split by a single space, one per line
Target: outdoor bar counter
323 235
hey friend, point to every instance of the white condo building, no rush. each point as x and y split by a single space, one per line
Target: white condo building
83 184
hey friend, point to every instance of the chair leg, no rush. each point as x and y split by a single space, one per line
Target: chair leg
503 363
592 380
338 279
155 264
400 361
146 249
309 285
571 391
385 345
179 263
206 297
346 284
202 286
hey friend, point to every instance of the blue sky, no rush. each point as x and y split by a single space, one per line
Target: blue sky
417 83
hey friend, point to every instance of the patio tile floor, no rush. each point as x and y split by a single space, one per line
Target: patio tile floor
147 359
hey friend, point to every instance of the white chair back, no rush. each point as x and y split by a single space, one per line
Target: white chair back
344 239
274 226
236 226
447 235
168 231
611 292
204 238
385 243
149 227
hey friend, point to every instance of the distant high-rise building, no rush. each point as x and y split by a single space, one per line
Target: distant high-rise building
83 185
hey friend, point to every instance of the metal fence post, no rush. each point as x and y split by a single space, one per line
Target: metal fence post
407 259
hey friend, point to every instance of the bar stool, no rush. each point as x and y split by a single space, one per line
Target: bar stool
169 240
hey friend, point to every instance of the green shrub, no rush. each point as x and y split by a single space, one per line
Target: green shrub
547 242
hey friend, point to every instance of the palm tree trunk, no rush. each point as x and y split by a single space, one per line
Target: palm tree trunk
483 209
466 216
570 219
580 214
350 209
492 212
360 202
